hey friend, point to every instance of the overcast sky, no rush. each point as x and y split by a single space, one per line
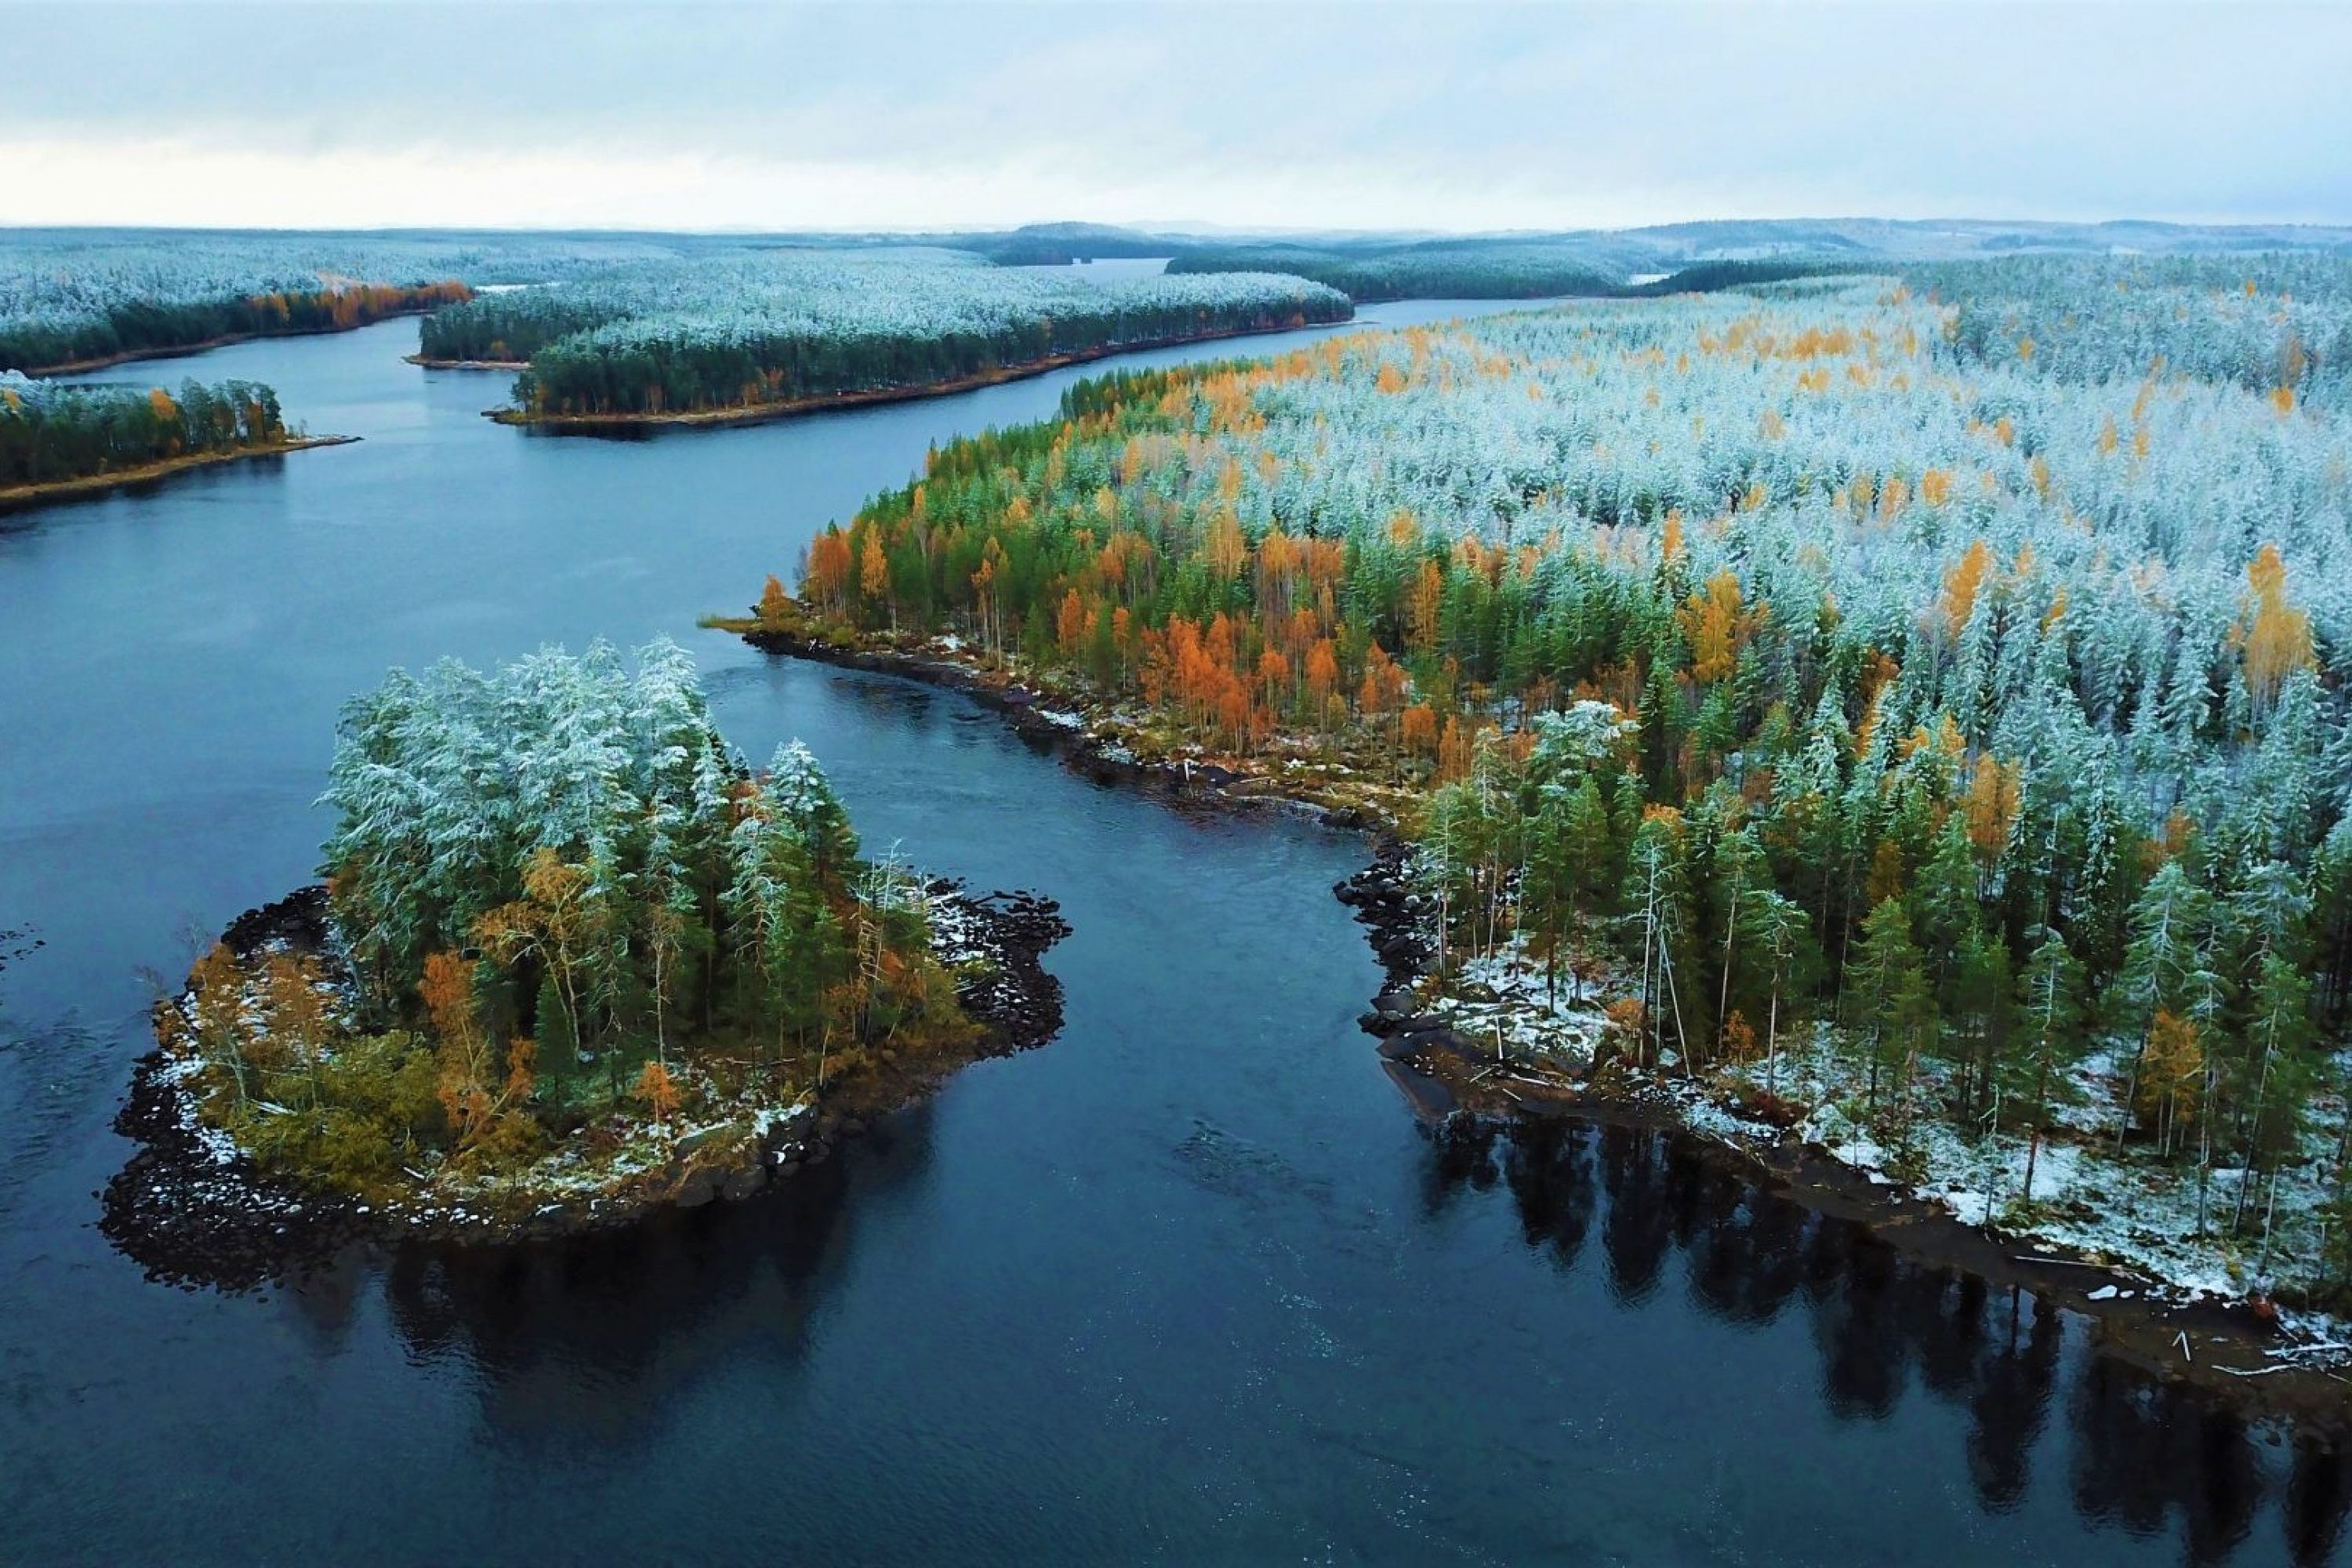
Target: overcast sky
1438 116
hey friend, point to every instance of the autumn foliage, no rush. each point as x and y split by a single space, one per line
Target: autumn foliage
563 911
2274 636
1853 660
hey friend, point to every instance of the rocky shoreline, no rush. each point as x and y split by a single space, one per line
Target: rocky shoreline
1031 715
1468 1099
193 1210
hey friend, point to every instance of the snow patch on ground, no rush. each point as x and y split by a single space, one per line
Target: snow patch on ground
955 933
2126 1207
770 1119
1531 1016
2129 1208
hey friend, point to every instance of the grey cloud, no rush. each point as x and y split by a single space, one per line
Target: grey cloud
1575 113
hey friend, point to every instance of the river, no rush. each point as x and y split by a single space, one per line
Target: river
1188 1282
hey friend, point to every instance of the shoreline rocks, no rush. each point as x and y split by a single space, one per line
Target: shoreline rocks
1460 1094
194 1209
1030 714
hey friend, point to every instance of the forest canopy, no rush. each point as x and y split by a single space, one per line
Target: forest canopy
776 327
73 297
560 902
1967 672
50 433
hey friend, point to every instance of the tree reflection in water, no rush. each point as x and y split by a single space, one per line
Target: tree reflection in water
594 1335
2142 1455
597 1336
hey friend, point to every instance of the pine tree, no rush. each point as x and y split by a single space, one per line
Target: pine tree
1776 929
1982 989
2284 1073
2165 973
1893 1007
2049 1011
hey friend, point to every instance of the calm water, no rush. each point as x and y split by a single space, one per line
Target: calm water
1187 1282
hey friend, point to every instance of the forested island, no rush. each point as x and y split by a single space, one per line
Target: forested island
78 299
732 339
573 960
62 441
1891 717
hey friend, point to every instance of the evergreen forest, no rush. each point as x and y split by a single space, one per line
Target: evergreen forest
1945 671
736 333
71 296
50 434
562 909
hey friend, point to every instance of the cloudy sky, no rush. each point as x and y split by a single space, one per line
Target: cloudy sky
1458 116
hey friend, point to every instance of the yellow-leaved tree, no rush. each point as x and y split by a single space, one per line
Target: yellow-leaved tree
2273 637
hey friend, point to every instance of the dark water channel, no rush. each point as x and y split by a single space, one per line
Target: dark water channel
1187 1283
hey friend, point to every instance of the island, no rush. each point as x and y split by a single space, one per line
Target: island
1824 715
572 961
64 442
726 340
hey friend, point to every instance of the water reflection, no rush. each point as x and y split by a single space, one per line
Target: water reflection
2144 1455
596 1335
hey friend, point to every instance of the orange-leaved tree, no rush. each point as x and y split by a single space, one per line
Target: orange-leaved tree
658 1090
2274 637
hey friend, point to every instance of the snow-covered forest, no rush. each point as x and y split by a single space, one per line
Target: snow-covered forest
561 903
1945 671
72 297
773 326
1438 269
50 433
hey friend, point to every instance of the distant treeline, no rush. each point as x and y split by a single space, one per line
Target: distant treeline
1438 271
51 434
1487 271
141 325
1707 277
1474 270
73 297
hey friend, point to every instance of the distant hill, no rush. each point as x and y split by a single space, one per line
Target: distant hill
1713 254
1932 239
1370 264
